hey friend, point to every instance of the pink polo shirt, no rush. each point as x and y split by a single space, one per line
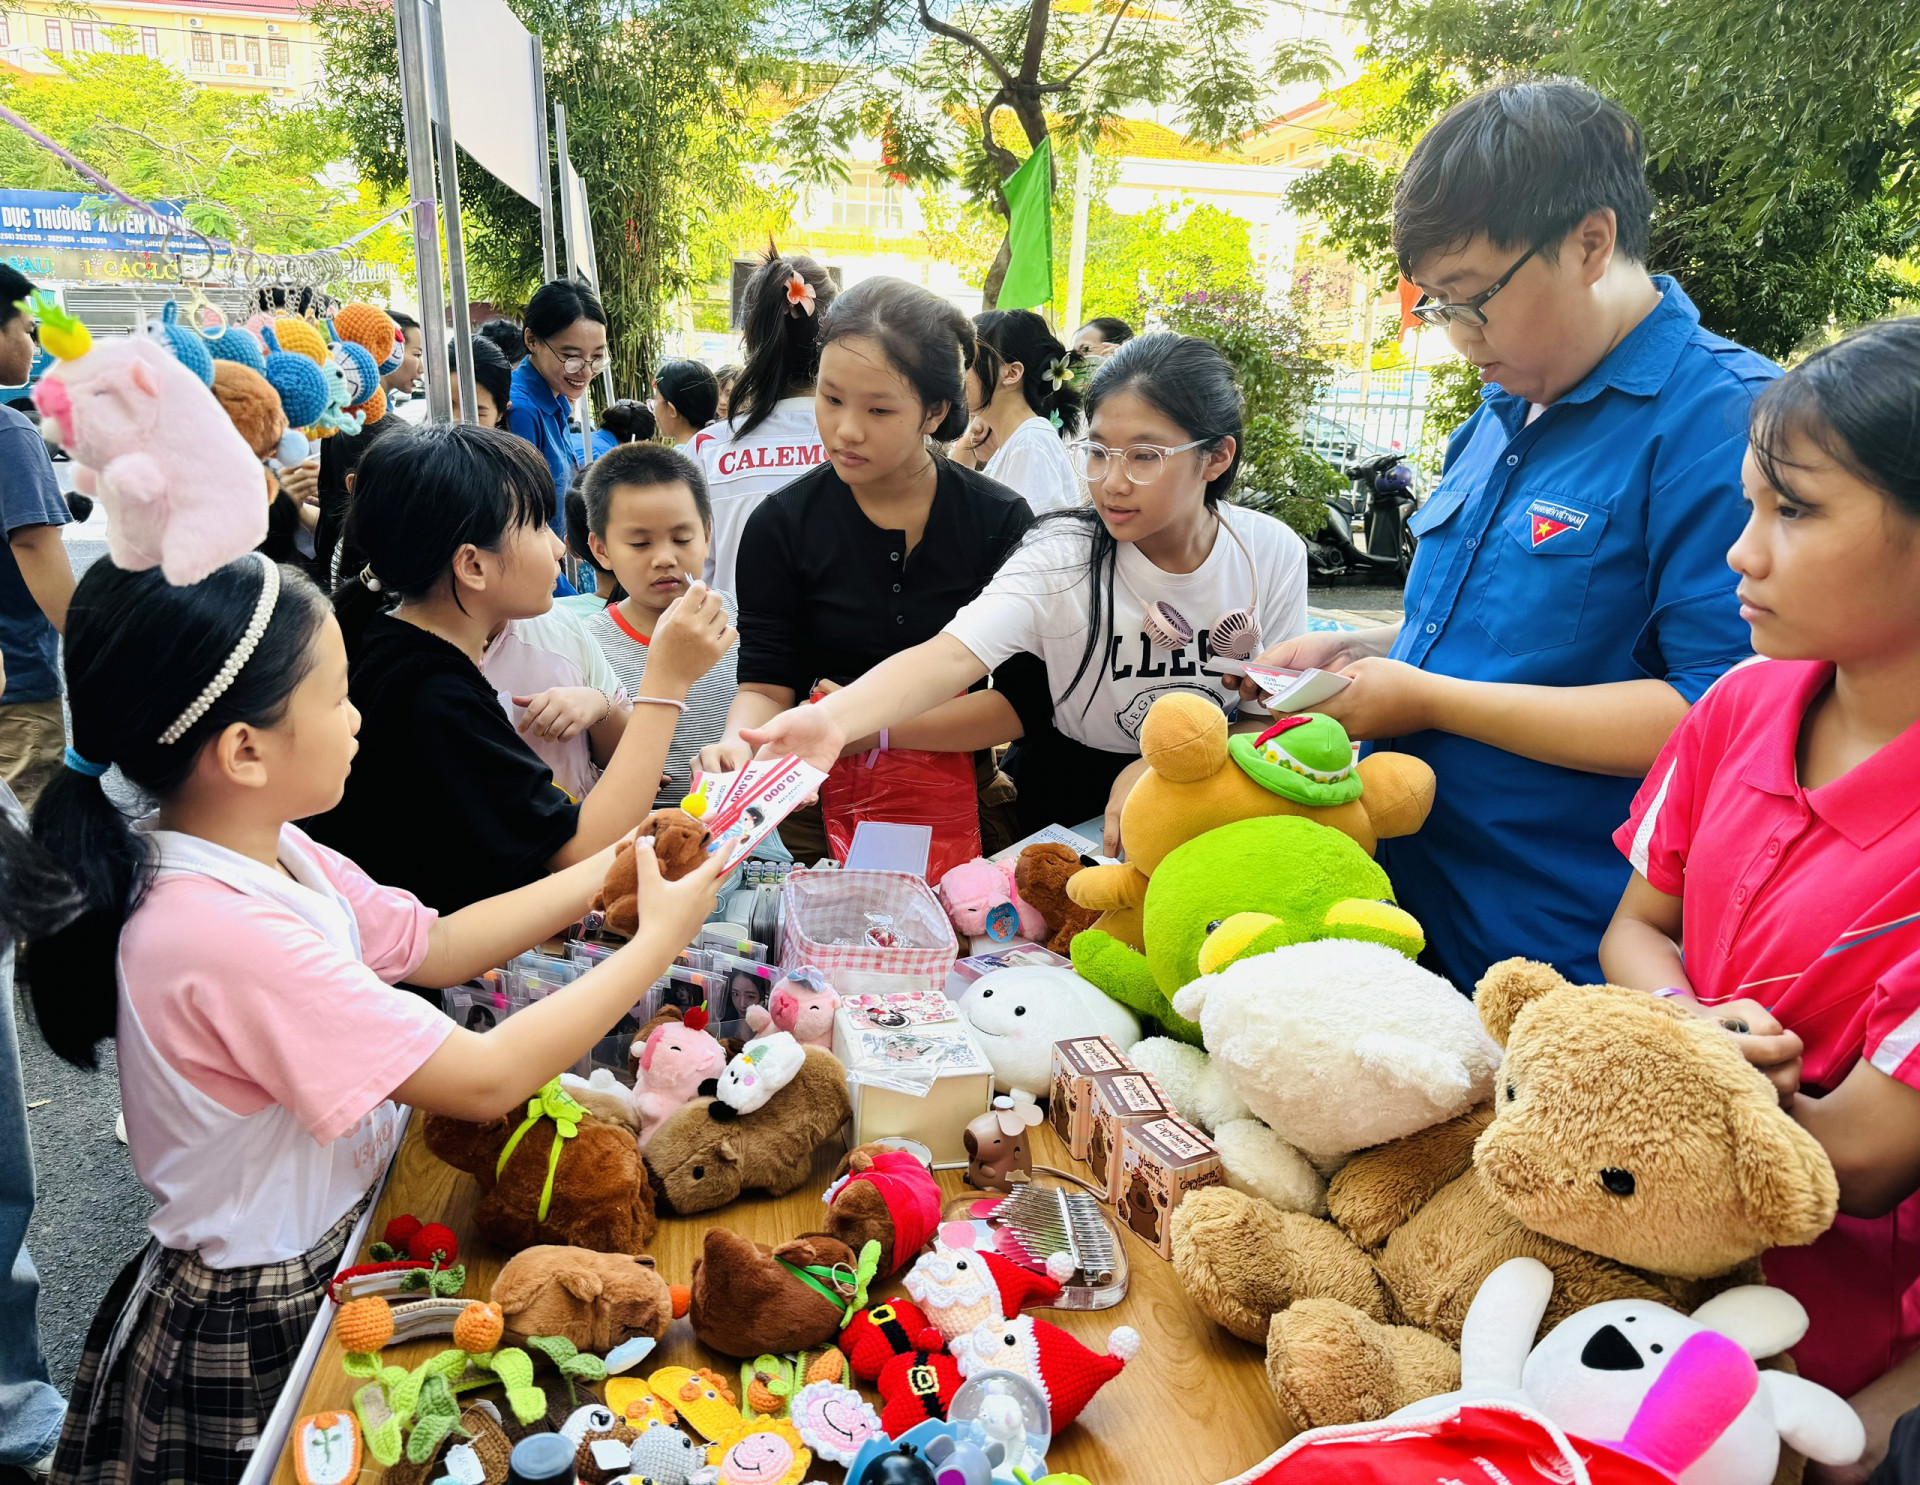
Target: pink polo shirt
1807 901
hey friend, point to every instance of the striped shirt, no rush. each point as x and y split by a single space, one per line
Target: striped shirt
705 720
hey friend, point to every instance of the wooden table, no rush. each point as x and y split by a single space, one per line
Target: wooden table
1193 1408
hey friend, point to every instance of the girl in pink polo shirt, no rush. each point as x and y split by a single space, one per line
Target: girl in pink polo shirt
1776 843
247 976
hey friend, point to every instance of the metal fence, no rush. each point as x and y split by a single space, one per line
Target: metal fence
1374 412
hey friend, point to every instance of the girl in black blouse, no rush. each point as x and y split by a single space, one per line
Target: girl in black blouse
875 550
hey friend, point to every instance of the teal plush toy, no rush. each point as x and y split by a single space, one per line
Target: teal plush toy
1241 890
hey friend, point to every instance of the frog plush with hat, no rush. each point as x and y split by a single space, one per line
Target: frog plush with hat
1237 891
1199 778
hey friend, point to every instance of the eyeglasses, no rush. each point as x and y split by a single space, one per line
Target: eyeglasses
574 365
1431 311
1143 463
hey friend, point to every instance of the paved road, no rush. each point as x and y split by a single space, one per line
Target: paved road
92 1213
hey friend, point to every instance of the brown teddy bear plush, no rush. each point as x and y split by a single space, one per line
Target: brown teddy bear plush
885 1196
1041 876
595 1300
1629 1147
1192 785
705 1155
254 409
677 839
600 1198
745 1302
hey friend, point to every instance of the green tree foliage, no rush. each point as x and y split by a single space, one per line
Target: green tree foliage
931 81
1159 254
247 172
657 126
1267 342
1783 143
1453 396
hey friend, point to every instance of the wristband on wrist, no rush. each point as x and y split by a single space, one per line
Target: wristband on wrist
679 706
1668 992
885 746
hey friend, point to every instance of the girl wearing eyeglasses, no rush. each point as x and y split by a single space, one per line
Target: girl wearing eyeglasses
566 331
1154 588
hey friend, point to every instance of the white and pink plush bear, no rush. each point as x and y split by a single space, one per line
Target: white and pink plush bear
181 488
670 1065
982 901
802 1003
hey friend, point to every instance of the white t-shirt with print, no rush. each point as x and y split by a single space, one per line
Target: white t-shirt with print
1034 462
1039 604
551 649
743 471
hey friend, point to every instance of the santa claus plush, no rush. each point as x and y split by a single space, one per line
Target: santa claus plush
959 1289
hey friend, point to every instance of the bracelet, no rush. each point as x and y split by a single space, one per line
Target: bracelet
679 706
884 745
1670 990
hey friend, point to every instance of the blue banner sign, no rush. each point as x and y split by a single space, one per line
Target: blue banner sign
65 220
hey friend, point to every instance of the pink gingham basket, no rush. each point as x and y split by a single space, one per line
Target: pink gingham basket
824 905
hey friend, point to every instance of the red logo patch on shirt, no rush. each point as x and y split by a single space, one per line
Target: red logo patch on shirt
1549 519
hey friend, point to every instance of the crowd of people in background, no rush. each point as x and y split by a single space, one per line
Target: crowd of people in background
1661 647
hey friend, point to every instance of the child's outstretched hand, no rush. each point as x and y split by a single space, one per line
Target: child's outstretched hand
562 712
688 641
674 911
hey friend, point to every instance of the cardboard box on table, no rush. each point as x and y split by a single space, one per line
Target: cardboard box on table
901 1036
1118 1099
1162 1160
1070 1090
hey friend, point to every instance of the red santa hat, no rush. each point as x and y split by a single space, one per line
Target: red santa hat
1066 1371
1021 1288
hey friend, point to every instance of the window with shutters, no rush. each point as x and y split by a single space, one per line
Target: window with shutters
54 43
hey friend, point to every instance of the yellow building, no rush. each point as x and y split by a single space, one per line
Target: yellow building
256 46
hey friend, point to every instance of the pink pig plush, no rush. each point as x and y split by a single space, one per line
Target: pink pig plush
676 1058
802 1003
181 487
981 898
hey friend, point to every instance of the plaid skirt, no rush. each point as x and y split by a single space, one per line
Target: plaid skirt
184 1363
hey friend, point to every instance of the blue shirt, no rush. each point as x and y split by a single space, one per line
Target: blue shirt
545 419
29 496
1586 547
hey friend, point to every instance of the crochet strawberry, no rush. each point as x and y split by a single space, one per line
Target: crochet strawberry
399 1232
434 1243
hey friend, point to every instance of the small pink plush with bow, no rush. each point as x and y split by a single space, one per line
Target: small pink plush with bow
981 898
181 488
802 1003
676 1058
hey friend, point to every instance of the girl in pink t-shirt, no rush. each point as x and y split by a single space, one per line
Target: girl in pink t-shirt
1776 843
246 973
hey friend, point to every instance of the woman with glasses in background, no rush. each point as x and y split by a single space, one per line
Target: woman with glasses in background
1157 587
566 334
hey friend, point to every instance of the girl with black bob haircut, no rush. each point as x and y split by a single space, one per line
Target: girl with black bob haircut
446 798
1026 408
685 399
770 435
1152 589
210 943
877 549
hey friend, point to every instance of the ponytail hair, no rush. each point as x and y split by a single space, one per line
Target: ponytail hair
1187 381
420 496
782 338
1010 335
139 651
923 337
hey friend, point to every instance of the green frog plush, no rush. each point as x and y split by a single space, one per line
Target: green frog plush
1240 890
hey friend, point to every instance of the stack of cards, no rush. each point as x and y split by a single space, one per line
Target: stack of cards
742 809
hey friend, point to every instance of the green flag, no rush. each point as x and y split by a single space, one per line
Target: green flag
1029 279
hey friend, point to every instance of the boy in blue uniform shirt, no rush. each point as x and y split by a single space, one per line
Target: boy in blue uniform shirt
1570 598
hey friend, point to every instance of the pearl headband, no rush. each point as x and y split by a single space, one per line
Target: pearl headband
242 652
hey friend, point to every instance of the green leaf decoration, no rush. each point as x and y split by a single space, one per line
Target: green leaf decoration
448 1282
361 1364
383 1253
515 1368
439 1415
378 1424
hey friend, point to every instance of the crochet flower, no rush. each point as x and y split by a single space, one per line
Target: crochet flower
799 294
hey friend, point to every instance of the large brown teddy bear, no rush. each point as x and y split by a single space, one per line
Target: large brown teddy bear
704 1155
1628 1147
595 1300
746 1300
601 1198
1041 876
1192 785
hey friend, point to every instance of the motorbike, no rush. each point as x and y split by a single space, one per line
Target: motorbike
1365 537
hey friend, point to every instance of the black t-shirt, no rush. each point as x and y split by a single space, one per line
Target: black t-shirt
444 798
1062 781
826 594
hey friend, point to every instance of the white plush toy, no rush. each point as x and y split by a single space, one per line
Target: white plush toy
1679 1391
1317 1050
762 1068
1018 1014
